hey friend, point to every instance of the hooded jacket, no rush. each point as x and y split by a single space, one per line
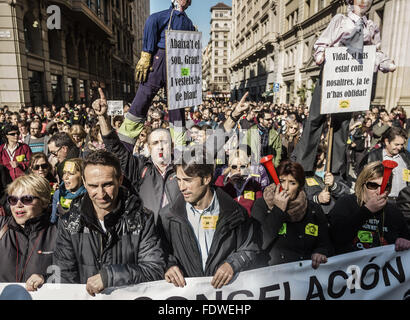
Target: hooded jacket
127 253
235 240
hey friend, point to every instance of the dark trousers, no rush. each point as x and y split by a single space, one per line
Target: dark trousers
306 149
156 79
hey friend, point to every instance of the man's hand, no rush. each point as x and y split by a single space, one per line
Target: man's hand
317 259
241 107
34 282
402 244
100 106
141 70
94 285
329 179
174 275
324 196
222 276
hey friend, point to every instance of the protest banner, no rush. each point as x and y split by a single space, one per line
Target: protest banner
184 68
379 273
115 107
347 83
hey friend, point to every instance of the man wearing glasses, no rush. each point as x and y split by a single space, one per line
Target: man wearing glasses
14 155
62 148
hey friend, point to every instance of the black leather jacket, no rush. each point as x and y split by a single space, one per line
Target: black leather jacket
128 253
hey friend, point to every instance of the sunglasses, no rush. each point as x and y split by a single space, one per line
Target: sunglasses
236 167
13 134
373 185
26 200
43 166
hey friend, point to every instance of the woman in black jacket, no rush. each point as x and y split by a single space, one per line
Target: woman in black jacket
293 228
27 238
365 219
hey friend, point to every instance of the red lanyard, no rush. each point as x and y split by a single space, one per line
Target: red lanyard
18 279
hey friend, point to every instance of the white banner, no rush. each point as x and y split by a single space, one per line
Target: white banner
347 84
184 68
379 273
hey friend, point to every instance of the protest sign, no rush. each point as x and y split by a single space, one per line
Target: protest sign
379 273
347 83
115 107
184 68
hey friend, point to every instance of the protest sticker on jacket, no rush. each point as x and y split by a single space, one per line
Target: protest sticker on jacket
347 83
184 68
379 273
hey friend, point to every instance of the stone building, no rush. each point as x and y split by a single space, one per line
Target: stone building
273 43
95 46
218 78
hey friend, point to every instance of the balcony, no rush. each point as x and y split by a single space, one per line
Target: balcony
94 16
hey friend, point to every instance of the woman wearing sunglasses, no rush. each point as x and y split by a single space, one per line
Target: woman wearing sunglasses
70 188
27 239
40 165
365 219
13 154
293 227
241 180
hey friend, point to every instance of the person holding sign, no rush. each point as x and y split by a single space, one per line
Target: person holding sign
353 31
151 69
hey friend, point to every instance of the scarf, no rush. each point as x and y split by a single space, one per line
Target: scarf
66 197
297 208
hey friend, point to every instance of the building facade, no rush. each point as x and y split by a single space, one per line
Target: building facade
94 46
273 43
218 52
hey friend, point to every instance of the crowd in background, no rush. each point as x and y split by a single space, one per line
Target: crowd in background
54 141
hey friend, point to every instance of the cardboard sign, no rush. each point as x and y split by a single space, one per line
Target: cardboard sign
346 83
115 107
184 68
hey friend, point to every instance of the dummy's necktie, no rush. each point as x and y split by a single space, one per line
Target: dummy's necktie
354 41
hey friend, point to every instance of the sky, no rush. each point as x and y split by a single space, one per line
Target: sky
199 12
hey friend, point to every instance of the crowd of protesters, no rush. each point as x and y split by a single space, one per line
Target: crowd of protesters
65 172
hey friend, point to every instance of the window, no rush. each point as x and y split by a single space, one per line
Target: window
216 70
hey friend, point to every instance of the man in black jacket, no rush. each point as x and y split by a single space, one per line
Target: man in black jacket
108 238
154 177
205 232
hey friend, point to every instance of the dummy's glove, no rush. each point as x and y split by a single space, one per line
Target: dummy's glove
141 70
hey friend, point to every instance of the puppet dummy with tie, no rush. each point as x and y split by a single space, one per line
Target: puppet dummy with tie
352 31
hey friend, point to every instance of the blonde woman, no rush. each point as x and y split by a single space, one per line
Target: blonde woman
70 188
27 239
365 219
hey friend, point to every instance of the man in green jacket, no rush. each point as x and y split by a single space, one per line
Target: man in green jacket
264 139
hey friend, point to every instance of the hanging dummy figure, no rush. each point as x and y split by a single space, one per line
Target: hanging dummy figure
352 31
151 70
